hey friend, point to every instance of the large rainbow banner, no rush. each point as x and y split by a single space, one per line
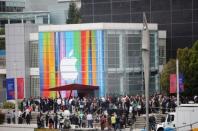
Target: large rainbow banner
71 57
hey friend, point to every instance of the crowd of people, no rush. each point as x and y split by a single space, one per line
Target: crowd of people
111 112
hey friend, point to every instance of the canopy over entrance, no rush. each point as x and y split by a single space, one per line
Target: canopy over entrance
79 87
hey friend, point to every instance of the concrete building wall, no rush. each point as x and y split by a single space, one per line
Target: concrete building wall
58 10
17 52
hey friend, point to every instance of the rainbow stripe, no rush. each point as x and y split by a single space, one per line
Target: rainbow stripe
88 49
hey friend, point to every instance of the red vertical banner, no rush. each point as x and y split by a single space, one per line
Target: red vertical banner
173 83
20 88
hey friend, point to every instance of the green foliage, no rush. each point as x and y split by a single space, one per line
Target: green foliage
73 14
2 31
169 68
2 117
183 56
188 62
188 66
8 105
2 43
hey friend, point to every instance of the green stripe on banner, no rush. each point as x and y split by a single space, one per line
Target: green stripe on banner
77 49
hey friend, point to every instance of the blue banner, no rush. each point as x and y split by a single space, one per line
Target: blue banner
181 83
10 88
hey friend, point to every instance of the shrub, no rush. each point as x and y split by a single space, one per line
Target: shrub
2 31
8 105
2 117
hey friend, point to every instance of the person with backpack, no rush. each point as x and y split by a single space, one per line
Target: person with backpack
67 123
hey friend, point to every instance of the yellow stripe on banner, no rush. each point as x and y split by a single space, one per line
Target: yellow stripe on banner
52 75
93 58
46 71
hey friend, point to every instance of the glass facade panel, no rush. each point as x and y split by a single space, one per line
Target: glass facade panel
34 86
34 54
110 59
177 17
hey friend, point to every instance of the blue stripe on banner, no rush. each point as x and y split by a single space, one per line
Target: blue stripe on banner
69 41
90 63
100 62
98 59
57 47
101 65
41 62
103 68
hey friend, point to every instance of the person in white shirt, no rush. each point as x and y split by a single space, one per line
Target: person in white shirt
59 103
66 113
90 120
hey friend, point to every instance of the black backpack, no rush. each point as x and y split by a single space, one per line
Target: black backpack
66 124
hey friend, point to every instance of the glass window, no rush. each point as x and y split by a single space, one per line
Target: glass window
170 118
113 50
33 54
34 86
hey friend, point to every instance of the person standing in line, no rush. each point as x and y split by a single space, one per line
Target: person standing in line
113 121
109 122
27 118
103 122
90 120
20 119
13 116
61 120
38 120
51 121
8 116
55 121
47 119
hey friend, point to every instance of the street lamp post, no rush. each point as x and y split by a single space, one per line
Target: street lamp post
177 72
16 94
146 64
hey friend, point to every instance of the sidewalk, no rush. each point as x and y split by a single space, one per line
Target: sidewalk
25 127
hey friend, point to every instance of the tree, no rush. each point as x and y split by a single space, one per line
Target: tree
73 14
191 72
184 56
188 66
169 68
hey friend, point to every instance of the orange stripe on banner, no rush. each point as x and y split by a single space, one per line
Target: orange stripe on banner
87 57
83 54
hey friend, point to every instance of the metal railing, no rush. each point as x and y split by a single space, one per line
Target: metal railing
190 125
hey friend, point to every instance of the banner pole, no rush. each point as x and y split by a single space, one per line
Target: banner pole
177 71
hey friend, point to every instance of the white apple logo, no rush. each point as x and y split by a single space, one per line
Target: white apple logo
68 67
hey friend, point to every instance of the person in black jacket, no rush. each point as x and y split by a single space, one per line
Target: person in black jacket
55 121
152 122
38 120
27 118
47 119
